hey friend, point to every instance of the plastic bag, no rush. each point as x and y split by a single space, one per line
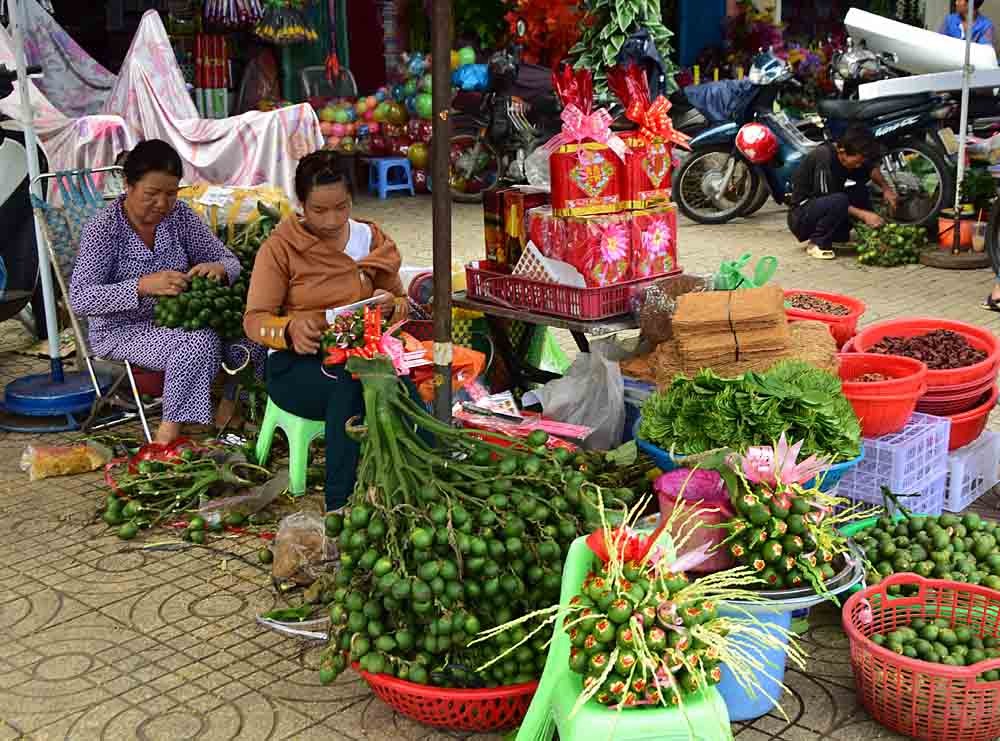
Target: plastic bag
249 503
731 275
301 548
44 461
655 307
545 353
592 394
471 77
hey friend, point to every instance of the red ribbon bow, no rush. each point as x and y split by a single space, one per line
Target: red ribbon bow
631 86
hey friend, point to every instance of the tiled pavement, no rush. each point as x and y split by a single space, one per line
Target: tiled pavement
100 639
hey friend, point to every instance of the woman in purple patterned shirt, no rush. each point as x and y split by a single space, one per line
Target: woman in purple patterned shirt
143 246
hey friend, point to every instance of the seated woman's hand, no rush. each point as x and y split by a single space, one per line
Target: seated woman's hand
163 283
214 270
304 335
400 307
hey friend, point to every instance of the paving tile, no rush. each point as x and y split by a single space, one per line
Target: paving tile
105 641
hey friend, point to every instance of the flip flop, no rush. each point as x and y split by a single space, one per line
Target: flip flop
991 304
819 253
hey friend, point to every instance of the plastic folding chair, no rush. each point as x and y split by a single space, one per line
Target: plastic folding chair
62 223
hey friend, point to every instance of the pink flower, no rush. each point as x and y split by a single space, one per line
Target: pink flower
614 243
773 466
656 239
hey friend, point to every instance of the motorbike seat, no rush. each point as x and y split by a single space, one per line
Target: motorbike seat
690 120
864 110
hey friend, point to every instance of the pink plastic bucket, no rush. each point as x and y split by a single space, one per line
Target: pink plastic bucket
703 490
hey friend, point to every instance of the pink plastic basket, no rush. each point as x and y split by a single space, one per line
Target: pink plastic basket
487 281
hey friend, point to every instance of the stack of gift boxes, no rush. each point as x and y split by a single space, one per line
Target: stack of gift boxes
609 214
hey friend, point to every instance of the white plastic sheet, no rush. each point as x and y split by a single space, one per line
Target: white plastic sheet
251 149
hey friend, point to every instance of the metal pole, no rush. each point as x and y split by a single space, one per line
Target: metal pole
441 94
16 10
963 128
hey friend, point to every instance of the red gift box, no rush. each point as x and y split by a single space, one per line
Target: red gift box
493 223
646 182
586 180
516 204
654 241
586 159
600 247
503 221
547 231
648 164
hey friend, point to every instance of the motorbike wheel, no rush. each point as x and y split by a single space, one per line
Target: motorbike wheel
760 197
924 189
474 168
702 172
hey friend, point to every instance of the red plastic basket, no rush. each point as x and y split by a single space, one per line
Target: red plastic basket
968 426
943 404
487 281
481 711
843 328
916 698
977 337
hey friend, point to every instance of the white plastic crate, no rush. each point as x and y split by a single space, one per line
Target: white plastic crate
905 461
973 471
926 499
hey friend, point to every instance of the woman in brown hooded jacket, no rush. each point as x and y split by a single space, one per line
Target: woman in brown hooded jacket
310 264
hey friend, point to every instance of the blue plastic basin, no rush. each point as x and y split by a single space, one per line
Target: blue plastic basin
740 704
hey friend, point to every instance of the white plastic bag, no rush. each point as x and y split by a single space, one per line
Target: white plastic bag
592 394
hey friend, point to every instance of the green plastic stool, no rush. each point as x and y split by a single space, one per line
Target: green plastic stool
300 433
705 717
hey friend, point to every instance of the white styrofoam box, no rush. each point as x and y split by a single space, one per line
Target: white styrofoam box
972 471
918 50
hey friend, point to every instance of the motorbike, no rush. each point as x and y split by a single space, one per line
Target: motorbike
495 136
698 108
718 182
857 65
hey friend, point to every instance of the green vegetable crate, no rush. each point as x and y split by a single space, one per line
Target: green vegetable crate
911 461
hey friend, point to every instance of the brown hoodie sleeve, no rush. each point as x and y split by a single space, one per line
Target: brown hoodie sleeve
383 262
263 322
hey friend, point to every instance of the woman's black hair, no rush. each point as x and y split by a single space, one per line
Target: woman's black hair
152 155
977 4
324 167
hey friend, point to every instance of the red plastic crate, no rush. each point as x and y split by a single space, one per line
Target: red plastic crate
489 282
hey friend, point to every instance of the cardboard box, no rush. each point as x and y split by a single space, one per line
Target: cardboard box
654 241
586 180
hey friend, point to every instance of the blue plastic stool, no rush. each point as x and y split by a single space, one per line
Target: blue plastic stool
388 174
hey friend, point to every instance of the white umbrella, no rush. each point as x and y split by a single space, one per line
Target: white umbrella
963 126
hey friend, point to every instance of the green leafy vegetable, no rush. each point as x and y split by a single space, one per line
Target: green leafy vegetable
708 412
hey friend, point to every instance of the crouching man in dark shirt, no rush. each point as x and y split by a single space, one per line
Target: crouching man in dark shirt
822 202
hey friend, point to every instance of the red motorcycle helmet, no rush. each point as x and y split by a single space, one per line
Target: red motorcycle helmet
757 143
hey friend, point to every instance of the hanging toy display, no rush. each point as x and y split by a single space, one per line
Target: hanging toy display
232 13
283 23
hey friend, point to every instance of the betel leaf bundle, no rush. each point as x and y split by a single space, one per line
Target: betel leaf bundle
708 412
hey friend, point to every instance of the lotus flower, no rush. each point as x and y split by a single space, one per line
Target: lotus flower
774 466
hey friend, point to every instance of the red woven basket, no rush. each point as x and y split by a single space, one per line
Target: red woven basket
916 698
482 711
